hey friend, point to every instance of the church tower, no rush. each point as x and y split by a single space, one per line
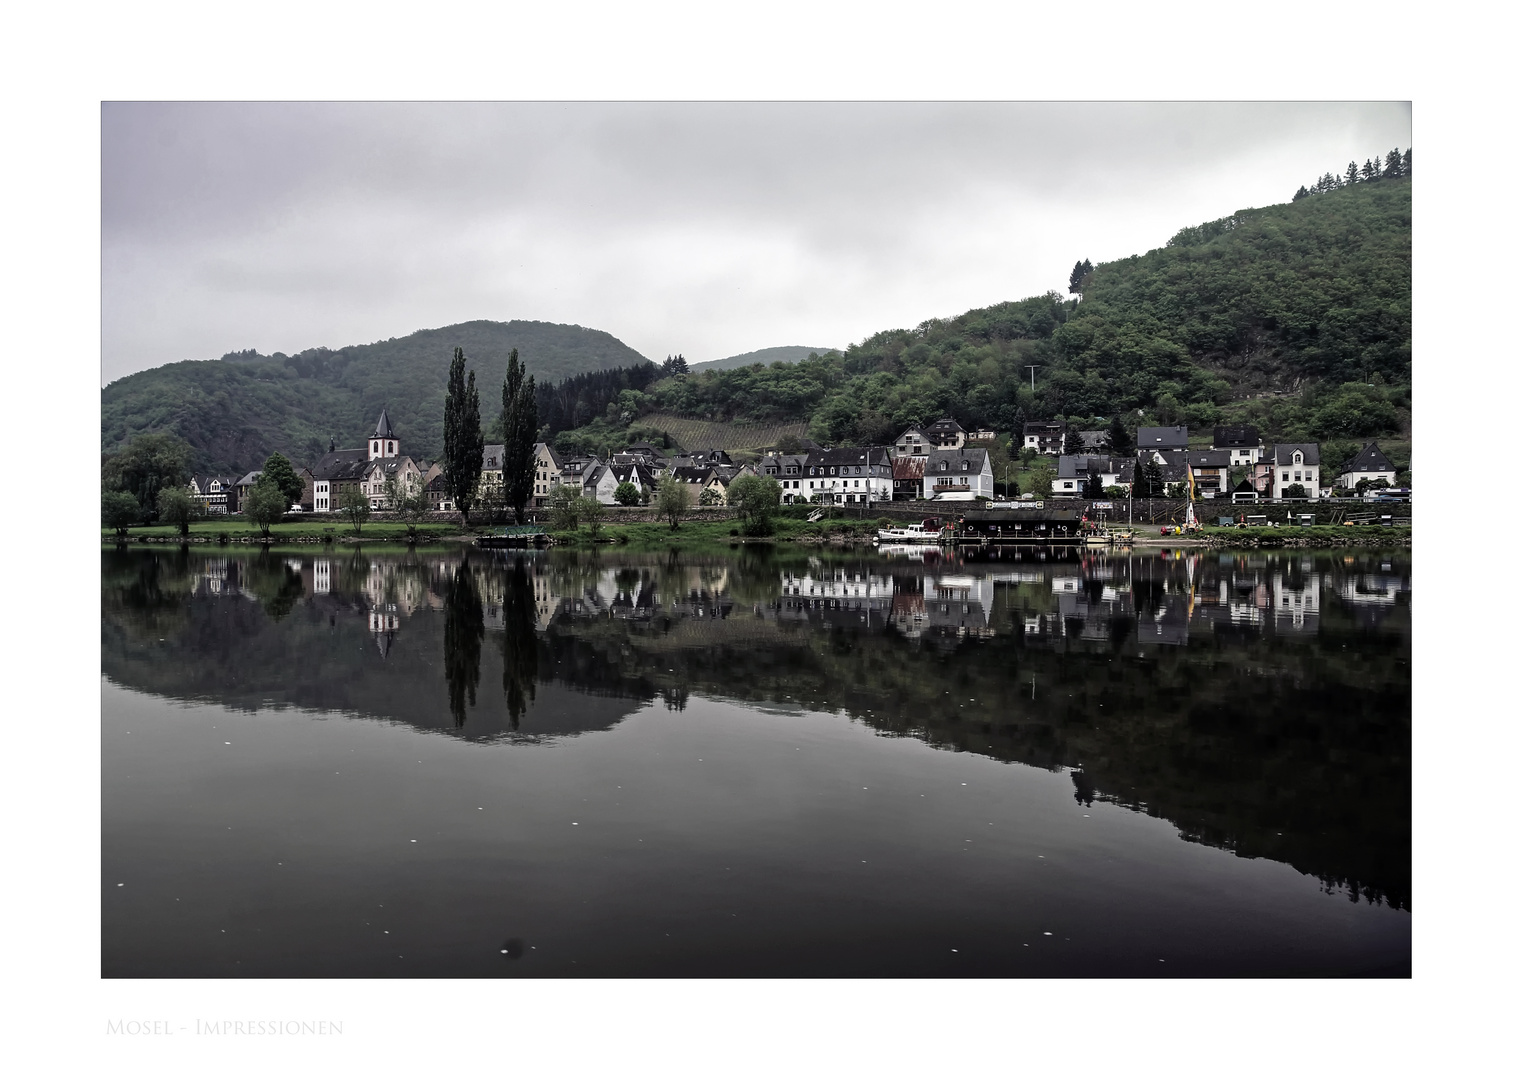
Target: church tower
383 443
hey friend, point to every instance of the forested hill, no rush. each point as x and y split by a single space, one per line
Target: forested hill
783 353
237 410
1295 317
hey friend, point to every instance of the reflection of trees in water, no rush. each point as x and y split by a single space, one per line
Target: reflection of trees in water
462 642
149 592
275 584
517 645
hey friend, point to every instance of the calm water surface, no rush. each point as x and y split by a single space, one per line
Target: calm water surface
754 763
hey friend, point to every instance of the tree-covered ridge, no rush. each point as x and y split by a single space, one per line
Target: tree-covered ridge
1295 317
237 410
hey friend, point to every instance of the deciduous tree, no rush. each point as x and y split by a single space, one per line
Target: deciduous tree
756 499
627 494
119 510
406 497
278 471
265 504
178 506
356 508
673 501
144 467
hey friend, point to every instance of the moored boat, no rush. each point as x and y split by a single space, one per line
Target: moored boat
924 532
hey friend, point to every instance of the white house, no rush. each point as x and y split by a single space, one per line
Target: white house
1369 464
848 474
601 481
1242 441
959 472
1045 436
1286 465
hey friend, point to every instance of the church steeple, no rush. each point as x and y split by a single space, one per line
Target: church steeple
383 443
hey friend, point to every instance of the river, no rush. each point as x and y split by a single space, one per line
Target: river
754 762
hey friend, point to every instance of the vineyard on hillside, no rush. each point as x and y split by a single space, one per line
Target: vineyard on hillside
693 434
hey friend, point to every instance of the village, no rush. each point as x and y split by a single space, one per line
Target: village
940 463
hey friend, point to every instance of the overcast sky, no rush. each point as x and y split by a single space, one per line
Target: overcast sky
705 229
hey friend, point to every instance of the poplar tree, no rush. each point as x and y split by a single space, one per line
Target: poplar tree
520 424
462 435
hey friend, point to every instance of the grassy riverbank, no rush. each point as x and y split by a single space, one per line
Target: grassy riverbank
1317 534
238 529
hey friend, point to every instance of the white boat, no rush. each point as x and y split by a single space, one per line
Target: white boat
910 534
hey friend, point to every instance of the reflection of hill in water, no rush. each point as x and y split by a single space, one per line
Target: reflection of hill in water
322 655
1258 703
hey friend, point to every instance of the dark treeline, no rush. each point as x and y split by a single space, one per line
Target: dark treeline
578 399
1395 167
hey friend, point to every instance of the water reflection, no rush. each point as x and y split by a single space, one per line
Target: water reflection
1259 701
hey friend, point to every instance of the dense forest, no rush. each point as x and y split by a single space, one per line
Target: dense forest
237 410
1295 317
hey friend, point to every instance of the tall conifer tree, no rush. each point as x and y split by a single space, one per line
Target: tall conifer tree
520 424
462 435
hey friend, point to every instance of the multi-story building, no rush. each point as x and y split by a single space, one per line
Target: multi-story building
1045 436
1242 441
849 474
1286 465
965 473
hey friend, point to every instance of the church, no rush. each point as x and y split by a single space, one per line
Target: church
367 469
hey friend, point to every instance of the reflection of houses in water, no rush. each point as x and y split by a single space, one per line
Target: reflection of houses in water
839 596
1374 589
215 577
1167 625
959 603
956 604
1295 602
383 624
320 572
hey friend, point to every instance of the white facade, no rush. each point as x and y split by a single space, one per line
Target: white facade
954 472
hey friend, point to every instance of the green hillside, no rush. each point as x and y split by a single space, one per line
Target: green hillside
1296 317
778 353
237 410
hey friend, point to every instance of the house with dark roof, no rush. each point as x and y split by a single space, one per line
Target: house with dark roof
946 434
1288 464
216 494
1095 441
913 443
849 474
965 473
601 481
1045 436
1367 466
438 498
339 472
1158 440
246 484
1210 471
1243 441
1073 471
786 469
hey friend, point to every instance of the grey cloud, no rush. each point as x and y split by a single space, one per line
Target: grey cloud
703 228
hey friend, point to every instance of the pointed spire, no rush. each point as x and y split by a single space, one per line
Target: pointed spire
384 430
